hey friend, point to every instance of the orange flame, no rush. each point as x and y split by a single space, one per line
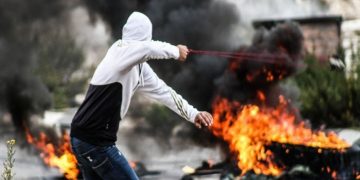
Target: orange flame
59 157
247 129
261 96
333 175
269 76
357 174
132 164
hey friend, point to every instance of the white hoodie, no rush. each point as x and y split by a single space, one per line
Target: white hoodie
135 48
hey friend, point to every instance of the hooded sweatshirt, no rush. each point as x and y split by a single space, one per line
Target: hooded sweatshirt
122 72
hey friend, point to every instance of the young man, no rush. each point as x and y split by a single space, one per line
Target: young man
122 72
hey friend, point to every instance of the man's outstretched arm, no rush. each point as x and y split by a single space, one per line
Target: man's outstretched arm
140 52
156 88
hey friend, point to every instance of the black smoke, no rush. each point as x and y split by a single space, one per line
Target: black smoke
276 55
115 13
24 33
199 25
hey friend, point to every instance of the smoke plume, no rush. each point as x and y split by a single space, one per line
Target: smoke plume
32 40
254 76
22 92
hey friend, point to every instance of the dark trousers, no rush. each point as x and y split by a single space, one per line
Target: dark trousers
98 162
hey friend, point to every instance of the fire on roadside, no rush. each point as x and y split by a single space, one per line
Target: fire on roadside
249 128
60 156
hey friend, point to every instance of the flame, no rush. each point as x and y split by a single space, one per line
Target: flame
210 162
333 175
249 128
261 96
357 174
132 164
234 65
60 157
249 77
269 76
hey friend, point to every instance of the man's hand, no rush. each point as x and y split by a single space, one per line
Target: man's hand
203 118
184 51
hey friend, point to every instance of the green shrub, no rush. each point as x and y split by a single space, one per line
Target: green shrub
327 96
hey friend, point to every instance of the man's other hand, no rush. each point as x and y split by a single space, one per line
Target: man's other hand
203 118
183 51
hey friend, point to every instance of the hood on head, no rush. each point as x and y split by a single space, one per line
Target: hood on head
138 27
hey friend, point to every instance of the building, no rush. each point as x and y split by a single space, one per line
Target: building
322 34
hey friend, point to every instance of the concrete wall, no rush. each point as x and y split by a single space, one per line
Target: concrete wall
350 42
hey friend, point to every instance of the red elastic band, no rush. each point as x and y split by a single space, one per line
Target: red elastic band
266 58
